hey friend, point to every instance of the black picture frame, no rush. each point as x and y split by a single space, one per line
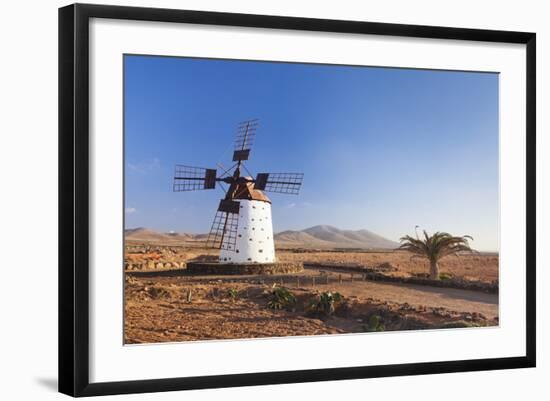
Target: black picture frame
74 200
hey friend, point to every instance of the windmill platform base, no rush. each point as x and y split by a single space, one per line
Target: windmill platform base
215 268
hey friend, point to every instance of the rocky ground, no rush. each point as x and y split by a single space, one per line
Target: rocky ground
474 267
165 304
470 267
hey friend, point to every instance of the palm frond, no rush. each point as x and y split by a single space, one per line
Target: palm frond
436 246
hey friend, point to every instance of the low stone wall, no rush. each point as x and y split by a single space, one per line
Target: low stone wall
375 275
461 284
153 264
201 268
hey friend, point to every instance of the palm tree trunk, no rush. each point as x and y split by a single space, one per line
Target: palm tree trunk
434 270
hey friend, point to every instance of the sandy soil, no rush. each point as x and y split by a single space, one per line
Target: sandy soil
160 309
164 304
470 267
476 267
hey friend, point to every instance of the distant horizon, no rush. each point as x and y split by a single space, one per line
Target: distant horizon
160 231
195 232
381 149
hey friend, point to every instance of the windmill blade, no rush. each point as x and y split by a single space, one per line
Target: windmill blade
246 134
283 183
187 178
223 233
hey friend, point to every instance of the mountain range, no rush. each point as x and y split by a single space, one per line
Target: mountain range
321 236
324 236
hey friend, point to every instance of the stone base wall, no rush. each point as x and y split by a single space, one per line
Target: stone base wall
153 265
200 268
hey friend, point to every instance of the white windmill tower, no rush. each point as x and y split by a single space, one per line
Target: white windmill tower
242 228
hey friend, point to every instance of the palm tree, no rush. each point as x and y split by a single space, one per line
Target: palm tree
435 247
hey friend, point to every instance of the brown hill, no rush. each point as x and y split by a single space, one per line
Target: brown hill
324 236
147 235
321 236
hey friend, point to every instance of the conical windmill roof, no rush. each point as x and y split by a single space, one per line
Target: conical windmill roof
246 190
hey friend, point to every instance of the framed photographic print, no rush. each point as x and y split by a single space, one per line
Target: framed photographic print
250 199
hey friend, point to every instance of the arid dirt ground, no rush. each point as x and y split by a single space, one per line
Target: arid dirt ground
470 267
165 304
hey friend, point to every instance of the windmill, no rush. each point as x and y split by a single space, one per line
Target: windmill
242 227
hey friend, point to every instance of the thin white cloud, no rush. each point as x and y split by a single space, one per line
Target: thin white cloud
130 210
300 205
145 166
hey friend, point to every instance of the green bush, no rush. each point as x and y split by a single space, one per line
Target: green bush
375 324
325 303
281 298
445 276
458 324
233 293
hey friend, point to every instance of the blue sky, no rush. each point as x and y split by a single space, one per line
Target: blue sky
381 149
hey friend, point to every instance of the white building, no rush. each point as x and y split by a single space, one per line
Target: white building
253 242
